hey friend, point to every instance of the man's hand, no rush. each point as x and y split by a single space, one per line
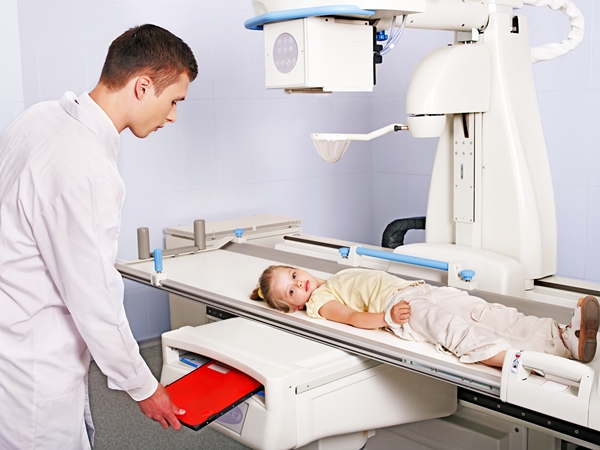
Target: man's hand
159 407
400 312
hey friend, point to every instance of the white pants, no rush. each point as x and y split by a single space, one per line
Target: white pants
472 328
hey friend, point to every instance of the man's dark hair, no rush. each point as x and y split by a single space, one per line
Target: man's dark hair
151 50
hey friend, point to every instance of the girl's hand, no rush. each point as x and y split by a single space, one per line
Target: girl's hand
400 312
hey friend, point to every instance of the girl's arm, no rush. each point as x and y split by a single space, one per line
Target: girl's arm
338 312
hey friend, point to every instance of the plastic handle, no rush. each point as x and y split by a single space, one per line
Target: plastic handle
158 266
567 369
238 232
432 263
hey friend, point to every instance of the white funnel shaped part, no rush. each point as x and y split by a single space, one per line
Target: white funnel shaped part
331 147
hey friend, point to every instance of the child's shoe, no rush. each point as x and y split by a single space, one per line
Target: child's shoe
580 335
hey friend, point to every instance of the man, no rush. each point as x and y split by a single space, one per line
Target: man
60 201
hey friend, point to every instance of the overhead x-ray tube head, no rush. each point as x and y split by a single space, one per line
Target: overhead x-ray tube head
319 54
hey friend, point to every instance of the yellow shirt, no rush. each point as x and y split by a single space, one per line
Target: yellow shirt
363 290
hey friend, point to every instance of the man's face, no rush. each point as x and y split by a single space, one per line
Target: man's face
156 111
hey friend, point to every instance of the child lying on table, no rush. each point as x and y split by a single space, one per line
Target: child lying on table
467 326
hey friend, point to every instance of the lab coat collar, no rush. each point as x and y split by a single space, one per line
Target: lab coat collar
86 110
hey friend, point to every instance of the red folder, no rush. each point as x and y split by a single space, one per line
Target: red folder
209 392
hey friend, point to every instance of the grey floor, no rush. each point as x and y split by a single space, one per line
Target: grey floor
120 424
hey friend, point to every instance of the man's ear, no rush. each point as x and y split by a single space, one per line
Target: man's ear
142 86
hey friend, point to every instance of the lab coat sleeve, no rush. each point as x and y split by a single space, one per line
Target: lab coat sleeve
77 235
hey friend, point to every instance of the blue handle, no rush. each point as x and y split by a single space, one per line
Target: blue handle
414 260
158 260
238 232
256 23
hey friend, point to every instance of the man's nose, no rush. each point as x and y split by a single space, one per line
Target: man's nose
172 116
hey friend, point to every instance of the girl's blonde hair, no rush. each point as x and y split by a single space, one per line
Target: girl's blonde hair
263 290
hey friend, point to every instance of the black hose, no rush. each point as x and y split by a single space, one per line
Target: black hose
393 235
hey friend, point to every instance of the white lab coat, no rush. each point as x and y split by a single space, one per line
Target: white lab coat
60 295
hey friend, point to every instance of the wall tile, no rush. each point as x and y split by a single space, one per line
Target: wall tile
592 242
567 122
389 202
132 285
64 70
130 222
594 132
571 205
417 190
389 152
10 54
593 23
272 198
537 18
9 112
239 71
161 210
420 155
333 206
28 42
196 147
234 155
572 70
157 311
306 114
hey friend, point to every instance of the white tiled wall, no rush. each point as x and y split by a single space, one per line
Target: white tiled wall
238 149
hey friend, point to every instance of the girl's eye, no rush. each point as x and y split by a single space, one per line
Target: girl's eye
292 291
294 275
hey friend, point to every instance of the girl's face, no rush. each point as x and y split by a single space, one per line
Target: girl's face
293 286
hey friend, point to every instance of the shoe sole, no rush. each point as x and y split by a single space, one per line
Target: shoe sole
590 320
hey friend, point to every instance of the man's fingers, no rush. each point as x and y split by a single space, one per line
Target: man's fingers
175 423
168 420
161 409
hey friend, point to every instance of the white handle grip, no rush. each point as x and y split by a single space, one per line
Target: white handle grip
567 369
558 387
